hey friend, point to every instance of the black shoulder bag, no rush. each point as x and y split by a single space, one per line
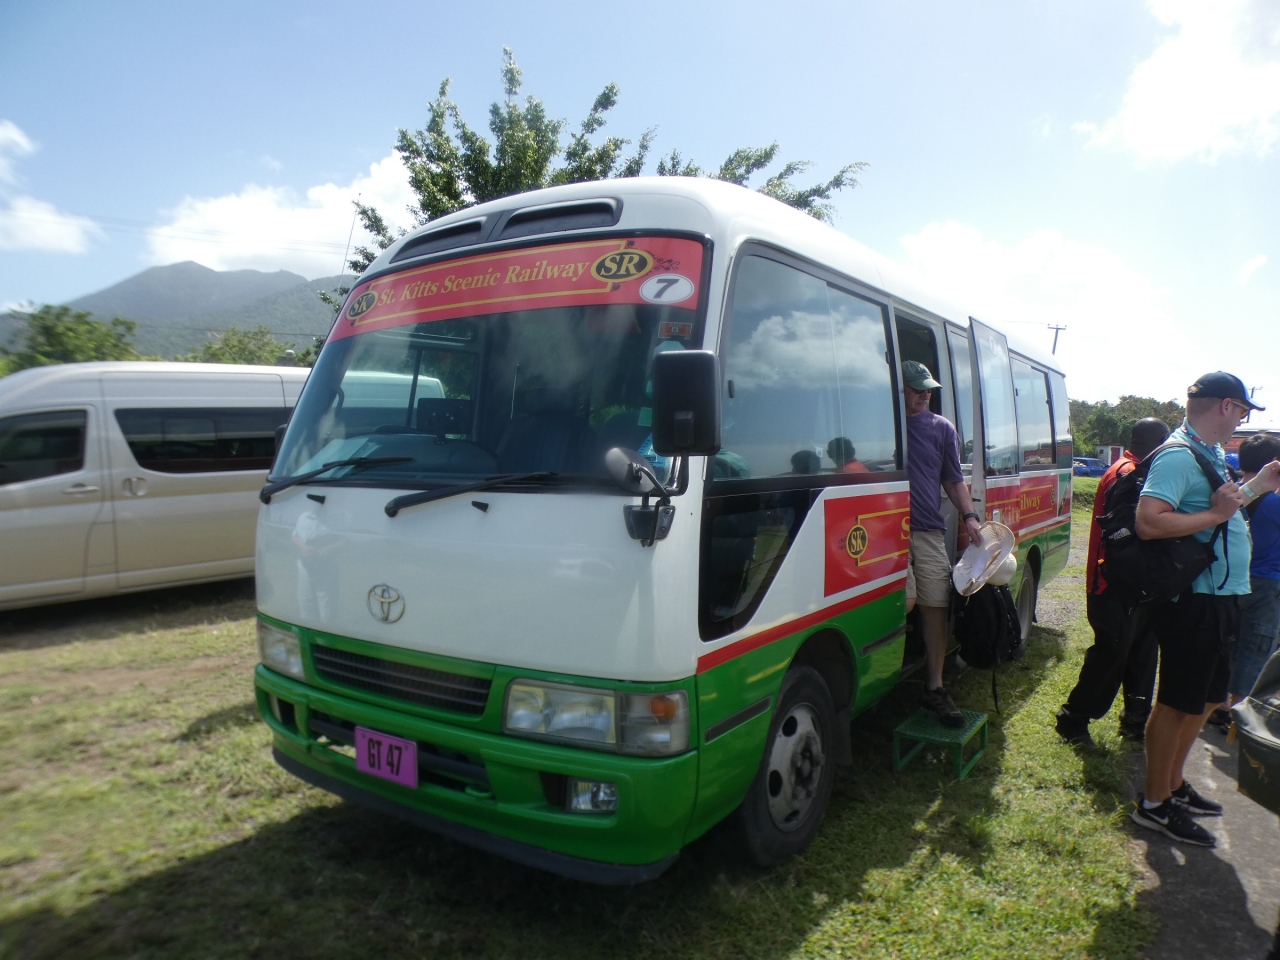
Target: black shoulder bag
1151 571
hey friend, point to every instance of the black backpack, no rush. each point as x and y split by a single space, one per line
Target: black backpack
1151 571
987 630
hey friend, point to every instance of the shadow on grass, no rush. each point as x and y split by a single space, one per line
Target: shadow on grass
108 617
336 881
241 715
339 882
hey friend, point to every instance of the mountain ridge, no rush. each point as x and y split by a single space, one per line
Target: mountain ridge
179 306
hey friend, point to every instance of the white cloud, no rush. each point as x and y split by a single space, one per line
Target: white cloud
30 224
13 143
1121 335
1251 267
1211 88
273 228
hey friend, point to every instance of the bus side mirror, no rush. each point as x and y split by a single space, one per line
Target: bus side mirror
686 403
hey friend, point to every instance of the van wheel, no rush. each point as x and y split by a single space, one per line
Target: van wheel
1027 603
788 797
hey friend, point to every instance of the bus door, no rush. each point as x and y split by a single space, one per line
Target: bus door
994 427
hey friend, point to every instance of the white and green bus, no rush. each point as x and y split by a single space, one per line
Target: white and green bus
590 527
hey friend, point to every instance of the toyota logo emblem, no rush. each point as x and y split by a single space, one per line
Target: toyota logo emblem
385 603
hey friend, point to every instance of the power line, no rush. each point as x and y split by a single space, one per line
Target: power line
351 233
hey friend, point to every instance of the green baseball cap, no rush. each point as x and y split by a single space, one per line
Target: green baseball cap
916 376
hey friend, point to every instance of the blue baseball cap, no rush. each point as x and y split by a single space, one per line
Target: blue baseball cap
1221 385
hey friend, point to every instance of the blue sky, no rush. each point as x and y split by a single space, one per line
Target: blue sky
1109 165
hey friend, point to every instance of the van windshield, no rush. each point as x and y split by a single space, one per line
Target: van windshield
467 387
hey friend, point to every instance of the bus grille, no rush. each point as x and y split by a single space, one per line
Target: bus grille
431 688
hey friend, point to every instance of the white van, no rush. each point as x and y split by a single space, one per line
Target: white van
120 476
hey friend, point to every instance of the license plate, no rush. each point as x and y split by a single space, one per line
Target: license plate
387 757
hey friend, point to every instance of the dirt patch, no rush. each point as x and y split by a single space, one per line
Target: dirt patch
116 679
112 680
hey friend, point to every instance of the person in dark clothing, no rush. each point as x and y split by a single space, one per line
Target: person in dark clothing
1124 651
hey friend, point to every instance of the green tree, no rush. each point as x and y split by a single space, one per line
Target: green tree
1101 423
452 166
306 357
240 346
53 334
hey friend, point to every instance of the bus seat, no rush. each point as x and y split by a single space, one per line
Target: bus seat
559 442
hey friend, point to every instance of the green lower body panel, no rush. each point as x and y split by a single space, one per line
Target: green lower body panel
736 699
496 792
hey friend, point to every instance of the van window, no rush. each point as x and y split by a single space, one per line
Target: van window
867 401
36 445
1061 418
781 404
1031 399
202 439
962 377
745 540
807 382
998 417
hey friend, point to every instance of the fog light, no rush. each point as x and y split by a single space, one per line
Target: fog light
592 796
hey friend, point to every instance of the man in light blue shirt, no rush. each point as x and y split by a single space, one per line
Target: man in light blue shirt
1194 629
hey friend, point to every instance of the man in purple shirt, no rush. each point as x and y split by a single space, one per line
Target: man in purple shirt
933 465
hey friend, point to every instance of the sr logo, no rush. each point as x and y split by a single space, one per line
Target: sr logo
385 603
856 542
623 265
362 305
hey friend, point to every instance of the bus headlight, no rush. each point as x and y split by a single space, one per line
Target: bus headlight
557 712
642 724
279 649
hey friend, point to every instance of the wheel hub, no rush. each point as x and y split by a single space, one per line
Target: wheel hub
795 767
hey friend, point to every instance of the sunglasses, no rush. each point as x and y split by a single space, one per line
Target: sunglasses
1244 410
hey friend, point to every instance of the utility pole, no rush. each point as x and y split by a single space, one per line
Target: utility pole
1056 330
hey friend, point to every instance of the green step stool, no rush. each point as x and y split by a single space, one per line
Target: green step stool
924 728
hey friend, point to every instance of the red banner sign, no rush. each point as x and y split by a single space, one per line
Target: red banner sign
660 270
868 537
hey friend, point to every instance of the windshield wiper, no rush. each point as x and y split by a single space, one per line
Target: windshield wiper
441 493
276 486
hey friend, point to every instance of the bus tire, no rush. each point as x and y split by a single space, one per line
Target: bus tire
1026 603
785 803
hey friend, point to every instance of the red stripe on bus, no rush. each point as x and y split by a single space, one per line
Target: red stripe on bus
765 637
1048 526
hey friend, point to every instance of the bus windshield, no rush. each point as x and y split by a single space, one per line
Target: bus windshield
464 387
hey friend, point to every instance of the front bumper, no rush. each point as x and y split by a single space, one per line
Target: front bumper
489 790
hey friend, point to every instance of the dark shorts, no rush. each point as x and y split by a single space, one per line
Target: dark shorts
1195 634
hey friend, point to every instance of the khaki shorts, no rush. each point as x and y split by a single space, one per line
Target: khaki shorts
929 569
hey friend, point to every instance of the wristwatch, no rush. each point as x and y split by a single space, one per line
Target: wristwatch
974 515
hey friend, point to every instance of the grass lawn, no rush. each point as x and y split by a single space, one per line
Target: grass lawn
141 816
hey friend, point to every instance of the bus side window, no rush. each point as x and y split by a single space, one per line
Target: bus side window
1061 418
866 389
962 377
781 404
1031 400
